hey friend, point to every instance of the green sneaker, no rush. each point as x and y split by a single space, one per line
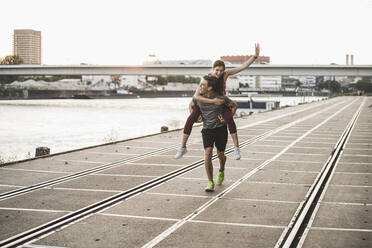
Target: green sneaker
210 187
220 177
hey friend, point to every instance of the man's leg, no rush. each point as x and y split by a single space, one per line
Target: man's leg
222 158
208 141
221 173
221 141
208 162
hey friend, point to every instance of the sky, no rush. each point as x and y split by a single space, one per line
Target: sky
125 32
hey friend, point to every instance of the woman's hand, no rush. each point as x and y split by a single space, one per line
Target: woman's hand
200 119
222 120
257 49
218 101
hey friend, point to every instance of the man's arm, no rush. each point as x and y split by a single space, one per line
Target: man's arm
245 65
203 99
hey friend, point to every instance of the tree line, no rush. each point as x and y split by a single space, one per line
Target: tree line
365 85
163 80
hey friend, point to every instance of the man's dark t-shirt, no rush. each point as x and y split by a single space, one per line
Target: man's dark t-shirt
210 112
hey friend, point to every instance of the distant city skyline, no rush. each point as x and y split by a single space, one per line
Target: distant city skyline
126 33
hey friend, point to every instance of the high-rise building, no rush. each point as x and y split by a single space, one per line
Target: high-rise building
27 45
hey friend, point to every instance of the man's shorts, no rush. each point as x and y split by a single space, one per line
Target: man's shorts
216 136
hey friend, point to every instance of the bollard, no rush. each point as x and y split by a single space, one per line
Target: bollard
41 151
164 129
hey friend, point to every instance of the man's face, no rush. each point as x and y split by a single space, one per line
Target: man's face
204 87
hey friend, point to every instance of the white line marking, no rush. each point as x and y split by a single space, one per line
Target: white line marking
278 183
358 149
298 171
250 152
41 246
91 190
303 162
135 147
185 156
235 224
353 173
354 163
203 179
354 143
254 145
115 153
180 195
12 186
347 203
153 164
340 229
311 147
36 210
351 186
260 200
152 141
248 159
139 217
357 155
42 171
122 175
79 161
306 154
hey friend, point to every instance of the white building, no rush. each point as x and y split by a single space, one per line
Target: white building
308 81
248 81
232 83
131 81
178 87
261 82
269 82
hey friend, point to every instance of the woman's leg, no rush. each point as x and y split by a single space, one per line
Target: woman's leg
228 117
193 117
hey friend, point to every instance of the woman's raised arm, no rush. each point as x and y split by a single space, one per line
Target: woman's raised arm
245 65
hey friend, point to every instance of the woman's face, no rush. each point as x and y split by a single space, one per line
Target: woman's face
218 71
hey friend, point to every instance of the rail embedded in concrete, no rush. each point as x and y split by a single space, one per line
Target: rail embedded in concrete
254 70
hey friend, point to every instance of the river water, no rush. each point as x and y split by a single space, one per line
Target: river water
64 125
